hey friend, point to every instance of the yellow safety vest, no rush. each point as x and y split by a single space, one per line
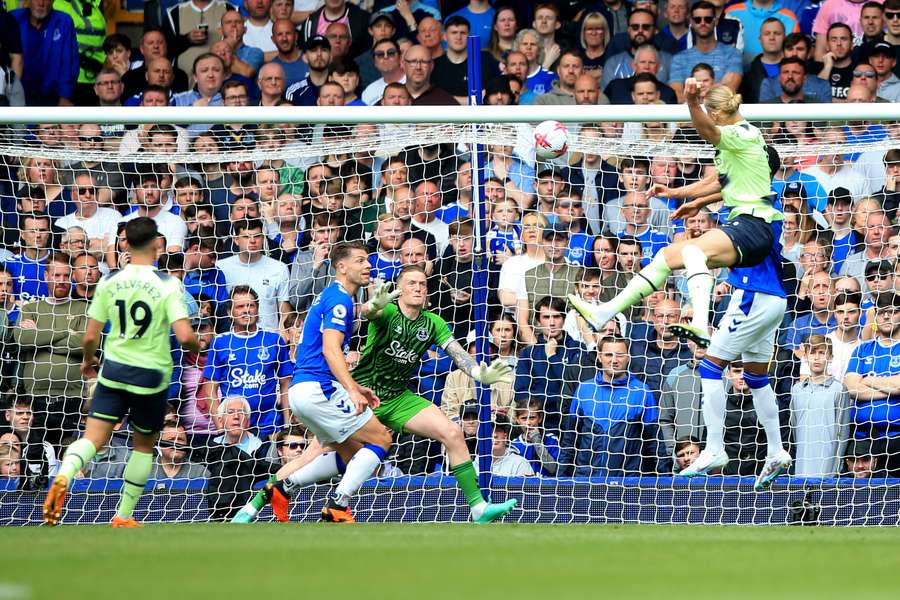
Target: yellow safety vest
90 31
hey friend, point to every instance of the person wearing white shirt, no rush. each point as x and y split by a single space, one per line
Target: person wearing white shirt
259 25
100 224
386 55
832 171
266 276
512 274
148 198
506 461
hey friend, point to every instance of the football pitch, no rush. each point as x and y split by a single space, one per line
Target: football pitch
424 562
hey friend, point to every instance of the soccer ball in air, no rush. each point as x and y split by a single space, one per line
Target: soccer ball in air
551 139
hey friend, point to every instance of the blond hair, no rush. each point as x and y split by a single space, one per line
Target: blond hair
723 100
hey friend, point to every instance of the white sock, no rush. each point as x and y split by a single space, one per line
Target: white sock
714 413
478 510
766 407
360 468
700 284
322 468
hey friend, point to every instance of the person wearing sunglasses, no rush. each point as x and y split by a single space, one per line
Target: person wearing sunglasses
641 30
724 59
892 24
290 442
386 54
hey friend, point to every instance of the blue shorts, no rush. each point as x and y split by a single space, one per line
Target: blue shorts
752 238
146 412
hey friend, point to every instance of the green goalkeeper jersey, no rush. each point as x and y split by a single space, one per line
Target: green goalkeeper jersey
394 349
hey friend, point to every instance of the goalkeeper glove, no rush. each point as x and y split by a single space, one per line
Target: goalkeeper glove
497 371
382 296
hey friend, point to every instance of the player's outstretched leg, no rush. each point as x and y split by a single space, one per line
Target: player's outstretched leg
700 285
778 460
650 279
430 422
713 456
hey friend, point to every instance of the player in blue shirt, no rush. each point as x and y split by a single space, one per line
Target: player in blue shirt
325 397
251 363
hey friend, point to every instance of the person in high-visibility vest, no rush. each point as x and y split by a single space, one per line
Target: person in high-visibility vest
90 30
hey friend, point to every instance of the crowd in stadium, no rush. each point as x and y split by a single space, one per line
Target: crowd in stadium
251 240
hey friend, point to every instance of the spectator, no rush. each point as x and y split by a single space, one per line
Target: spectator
341 11
339 36
154 48
819 319
158 79
636 211
480 16
202 279
724 59
833 12
430 35
883 60
875 246
742 428
50 70
611 426
680 416
861 462
208 74
536 74
451 69
796 45
662 352
290 442
837 62
382 26
427 201
594 36
537 446
506 461
767 63
258 26
148 202
820 414
385 260
754 15
646 60
250 363
345 73
641 31
562 90
187 27
687 450
634 178
540 372
871 20
108 176
459 388
171 460
832 169
386 54
85 276
677 27
512 274
288 55
266 276
554 278
889 195
247 58
27 267
38 458
272 84
871 382
108 90
317 56
99 222
48 333
11 60
418 66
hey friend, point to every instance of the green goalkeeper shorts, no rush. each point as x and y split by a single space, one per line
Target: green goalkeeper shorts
396 412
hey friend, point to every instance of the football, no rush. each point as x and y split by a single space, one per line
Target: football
551 139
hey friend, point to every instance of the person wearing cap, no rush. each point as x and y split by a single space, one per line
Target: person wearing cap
861 462
889 194
317 55
880 278
873 380
342 11
883 60
554 278
839 214
284 35
382 26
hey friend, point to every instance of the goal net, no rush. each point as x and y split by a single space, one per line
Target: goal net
596 427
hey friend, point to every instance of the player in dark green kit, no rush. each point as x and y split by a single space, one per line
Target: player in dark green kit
398 336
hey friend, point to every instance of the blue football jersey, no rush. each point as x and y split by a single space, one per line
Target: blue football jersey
502 240
451 212
386 270
250 367
332 309
580 250
766 277
28 277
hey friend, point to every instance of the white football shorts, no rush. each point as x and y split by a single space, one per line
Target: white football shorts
748 328
331 419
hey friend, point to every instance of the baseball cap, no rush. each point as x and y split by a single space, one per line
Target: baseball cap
551 231
317 41
468 410
882 48
860 449
793 188
840 194
881 266
382 14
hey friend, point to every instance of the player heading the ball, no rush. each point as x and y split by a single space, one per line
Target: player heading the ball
141 306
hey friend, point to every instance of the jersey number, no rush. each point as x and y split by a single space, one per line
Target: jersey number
141 316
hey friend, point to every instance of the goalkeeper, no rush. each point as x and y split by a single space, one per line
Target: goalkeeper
399 335
745 166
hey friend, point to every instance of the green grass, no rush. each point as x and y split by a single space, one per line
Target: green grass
429 562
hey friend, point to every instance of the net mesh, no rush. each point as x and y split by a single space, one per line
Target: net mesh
579 224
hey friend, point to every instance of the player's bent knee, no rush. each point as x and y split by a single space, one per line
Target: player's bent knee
452 435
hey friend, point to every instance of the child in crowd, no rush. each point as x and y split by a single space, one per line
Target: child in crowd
505 235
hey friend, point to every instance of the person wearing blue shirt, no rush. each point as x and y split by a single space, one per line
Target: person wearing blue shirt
480 16
250 363
389 237
612 425
752 14
872 381
724 59
50 49
27 267
819 319
636 212
537 446
317 56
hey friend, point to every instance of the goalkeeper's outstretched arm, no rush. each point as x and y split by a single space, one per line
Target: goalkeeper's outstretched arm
484 373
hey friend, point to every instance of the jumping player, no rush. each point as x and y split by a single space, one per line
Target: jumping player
399 335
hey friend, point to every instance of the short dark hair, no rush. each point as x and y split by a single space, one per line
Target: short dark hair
871 4
243 289
342 250
115 40
792 39
411 269
792 60
613 339
629 240
637 11
141 232
646 78
457 20
551 302
700 5
848 298
888 300
244 224
834 26
892 156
